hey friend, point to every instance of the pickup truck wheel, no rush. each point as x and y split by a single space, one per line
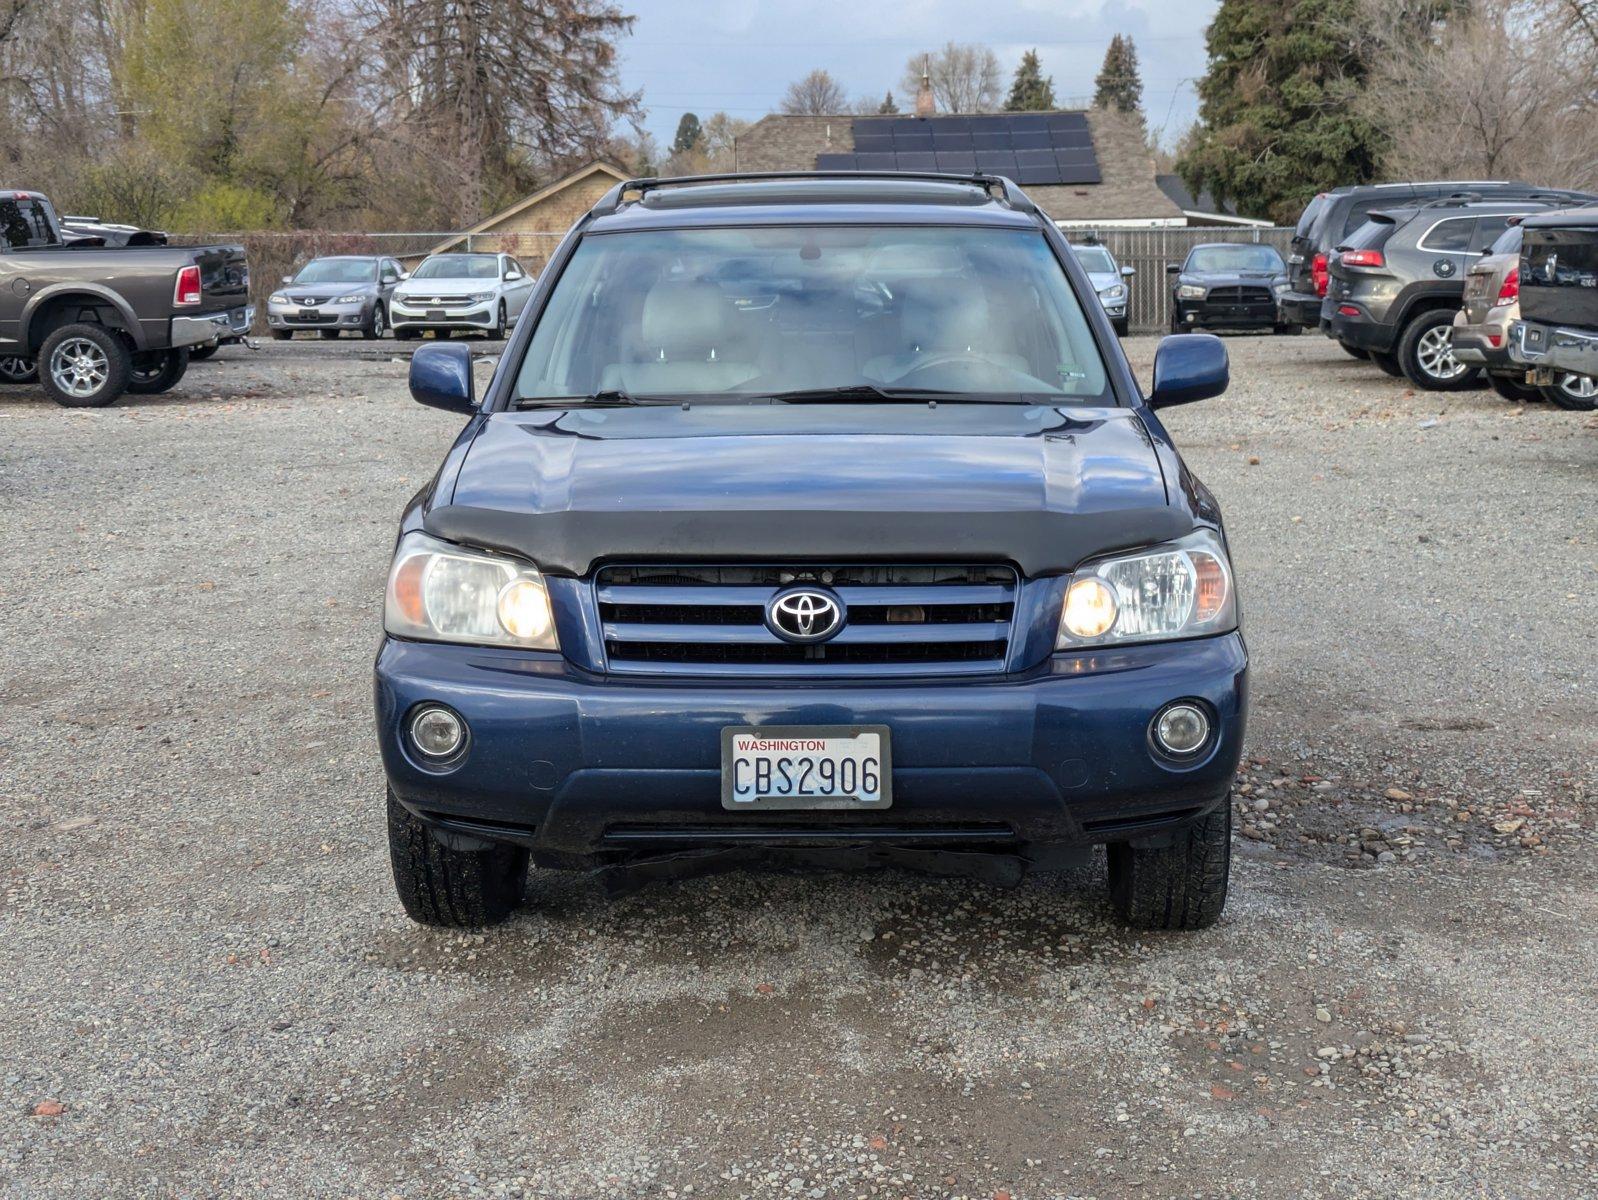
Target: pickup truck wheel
1513 390
1180 886
1578 393
1425 351
1386 362
157 371
1354 351
462 889
14 369
378 325
85 366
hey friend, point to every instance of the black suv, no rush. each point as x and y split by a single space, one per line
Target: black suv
1398 280
1332 216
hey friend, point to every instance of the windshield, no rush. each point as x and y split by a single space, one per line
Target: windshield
1307 217
338 270
459 266
1095 259
756 311
1223 259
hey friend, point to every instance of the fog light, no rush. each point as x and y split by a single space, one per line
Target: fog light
437 732
1181 729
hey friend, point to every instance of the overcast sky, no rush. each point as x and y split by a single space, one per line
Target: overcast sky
740 55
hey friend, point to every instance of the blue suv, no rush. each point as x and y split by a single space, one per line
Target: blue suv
813 518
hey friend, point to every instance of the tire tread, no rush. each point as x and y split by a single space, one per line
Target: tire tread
461 889
1177 887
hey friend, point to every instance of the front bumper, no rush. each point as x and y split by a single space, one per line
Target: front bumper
1486 344
1554 348
1202 314
212 327
403 315
319 316
1299 308
582 768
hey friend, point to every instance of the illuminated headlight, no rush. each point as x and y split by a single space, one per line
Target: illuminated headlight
1191 291
277 298
352 298
440 592
1179 590
1113 292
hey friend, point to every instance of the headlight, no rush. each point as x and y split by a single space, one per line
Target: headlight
480 297
1113 292
1191 291
440 592
277 298
1280 286
1179 590
353 298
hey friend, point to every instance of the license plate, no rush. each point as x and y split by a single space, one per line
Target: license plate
806 767
435 314
309 314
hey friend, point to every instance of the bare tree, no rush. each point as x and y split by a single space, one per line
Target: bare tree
818 94
965 78
1504 90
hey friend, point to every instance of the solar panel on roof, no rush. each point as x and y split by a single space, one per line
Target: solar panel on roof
1031 148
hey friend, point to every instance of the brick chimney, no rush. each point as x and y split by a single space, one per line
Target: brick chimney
925 105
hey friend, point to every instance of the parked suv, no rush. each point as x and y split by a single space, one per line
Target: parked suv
1330 217
821 517
1557 335
1398 280
1110 279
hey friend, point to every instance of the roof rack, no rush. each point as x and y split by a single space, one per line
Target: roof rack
996 186
1458 199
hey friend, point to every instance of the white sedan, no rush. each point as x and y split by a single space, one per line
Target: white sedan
482 292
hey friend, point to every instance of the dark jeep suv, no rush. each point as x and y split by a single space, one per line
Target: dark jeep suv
816 517
1398 280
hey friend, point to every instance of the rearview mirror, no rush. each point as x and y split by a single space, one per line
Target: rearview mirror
1187 367
441 377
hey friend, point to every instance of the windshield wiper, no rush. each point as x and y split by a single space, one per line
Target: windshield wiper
865 391
606 398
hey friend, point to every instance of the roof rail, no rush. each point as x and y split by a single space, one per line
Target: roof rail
996 186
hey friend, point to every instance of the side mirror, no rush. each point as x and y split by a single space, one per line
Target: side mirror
1173 268
1187 367
441 377
1128 272
512 274
388 279
288 279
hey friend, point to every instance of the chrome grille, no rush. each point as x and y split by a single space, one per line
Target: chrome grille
1240 295
909 619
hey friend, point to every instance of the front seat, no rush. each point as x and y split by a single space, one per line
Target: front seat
684 338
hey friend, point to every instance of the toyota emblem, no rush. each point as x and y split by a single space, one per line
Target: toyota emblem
804 615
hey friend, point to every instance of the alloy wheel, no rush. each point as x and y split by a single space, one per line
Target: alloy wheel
1435 353
79 367
1578 387
378 328
16 368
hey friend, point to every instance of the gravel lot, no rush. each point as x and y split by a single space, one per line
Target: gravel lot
209 988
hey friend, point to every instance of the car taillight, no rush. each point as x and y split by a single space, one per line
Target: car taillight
188 288
1364 258
1319 273
1510 290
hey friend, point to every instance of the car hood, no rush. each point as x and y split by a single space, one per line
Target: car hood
326 291
444 287
1041 487
1211 279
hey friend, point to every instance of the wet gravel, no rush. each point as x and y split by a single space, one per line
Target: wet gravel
208 989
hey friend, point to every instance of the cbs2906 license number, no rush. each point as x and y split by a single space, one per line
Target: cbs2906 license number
806 767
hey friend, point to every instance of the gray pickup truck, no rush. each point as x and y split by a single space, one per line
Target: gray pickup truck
91 321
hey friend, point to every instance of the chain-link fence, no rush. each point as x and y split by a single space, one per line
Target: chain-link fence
1149 250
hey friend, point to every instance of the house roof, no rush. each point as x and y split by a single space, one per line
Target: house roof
487 224
1125 191
1202 206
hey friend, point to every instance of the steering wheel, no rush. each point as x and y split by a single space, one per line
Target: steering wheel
951 358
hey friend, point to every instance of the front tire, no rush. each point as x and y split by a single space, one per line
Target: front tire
498 332
461 889
1575 393
1180 886
1425 353
157 371
84 366
14 369
377 327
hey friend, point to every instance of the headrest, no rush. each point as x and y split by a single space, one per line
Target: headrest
682 316
951 314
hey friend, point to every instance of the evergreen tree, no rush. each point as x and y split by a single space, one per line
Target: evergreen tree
1118 84
1031 90
888 107
1278 121
688 132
